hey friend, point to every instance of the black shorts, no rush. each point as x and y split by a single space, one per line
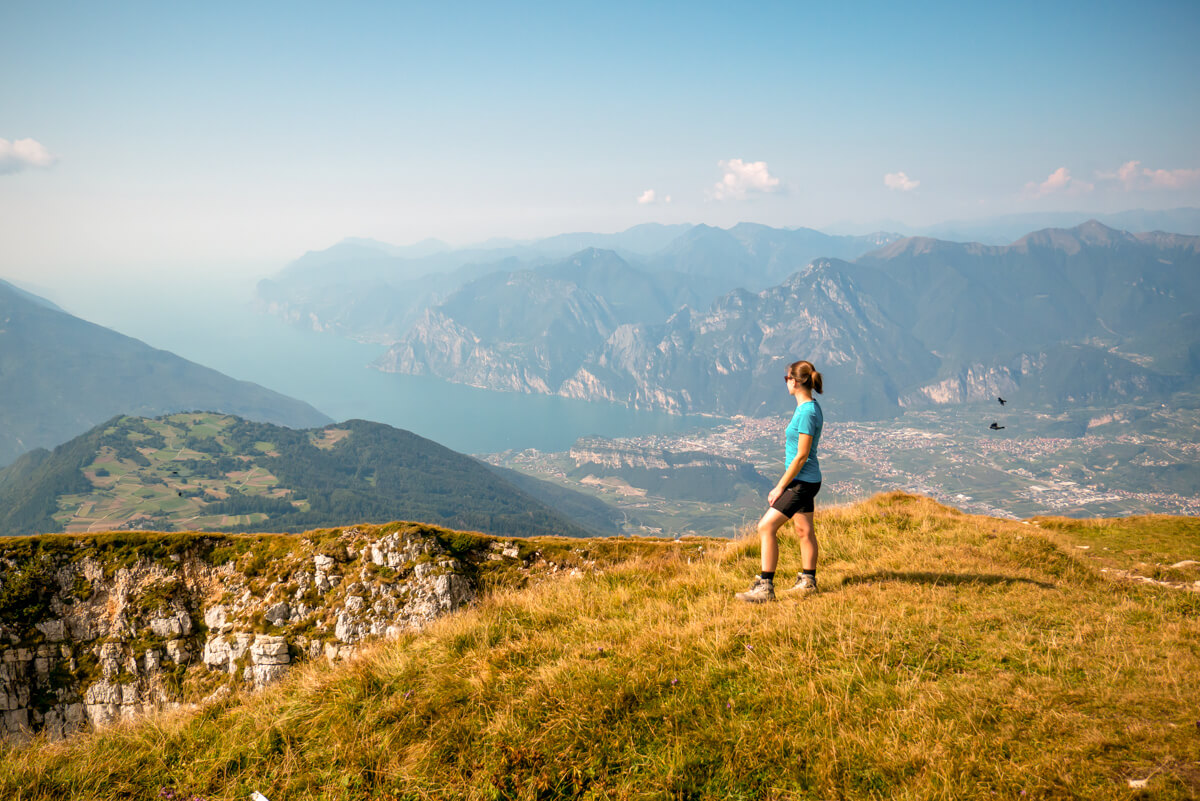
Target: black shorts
797 497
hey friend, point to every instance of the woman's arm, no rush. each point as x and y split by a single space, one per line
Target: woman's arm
803 446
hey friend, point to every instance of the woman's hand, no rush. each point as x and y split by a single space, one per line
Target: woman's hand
773 494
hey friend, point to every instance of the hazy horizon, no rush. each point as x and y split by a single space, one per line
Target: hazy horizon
138 138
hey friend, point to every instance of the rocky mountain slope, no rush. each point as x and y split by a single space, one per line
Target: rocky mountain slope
677 475
1088 314
60 375
102 628
372 292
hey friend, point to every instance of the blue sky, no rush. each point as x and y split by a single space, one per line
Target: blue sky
163 136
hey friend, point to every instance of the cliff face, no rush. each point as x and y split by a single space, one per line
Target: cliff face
95 629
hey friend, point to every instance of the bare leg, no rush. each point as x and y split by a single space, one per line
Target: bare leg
803 525
768 528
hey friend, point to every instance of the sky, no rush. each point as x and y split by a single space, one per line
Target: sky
229 138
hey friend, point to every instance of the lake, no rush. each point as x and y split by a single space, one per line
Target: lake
204 325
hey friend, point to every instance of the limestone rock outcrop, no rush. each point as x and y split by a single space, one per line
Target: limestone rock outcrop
96 629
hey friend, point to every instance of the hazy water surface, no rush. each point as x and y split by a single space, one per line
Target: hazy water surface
330 373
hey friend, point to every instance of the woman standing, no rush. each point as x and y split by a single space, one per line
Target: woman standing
792 497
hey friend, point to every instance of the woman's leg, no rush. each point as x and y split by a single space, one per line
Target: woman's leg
803 525
762 590
768 529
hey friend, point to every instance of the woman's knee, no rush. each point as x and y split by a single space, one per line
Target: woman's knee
803 527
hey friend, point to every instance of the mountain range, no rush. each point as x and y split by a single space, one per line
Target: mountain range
1007 228
376 293
1060 316
60 376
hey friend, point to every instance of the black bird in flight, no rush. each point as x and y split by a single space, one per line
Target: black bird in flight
1002 401
995 427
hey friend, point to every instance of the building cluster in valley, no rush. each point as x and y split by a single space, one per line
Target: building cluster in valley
993 473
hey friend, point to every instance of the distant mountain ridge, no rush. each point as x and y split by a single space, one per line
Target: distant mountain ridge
917 321
1006 229
60 375
374 292
210 472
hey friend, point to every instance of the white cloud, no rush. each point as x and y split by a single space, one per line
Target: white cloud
22 154
1134 176
1059 181
900 181
1128 172
742 178
1172 179
647 197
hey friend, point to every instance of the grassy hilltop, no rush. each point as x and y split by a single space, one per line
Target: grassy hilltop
948 656
215 472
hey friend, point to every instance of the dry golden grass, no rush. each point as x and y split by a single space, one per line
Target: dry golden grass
947 657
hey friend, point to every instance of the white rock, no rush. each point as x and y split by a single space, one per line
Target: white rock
110 659
177 652
168 626
262 675
55 630
214 617
269 650
16 722
279 613
216 653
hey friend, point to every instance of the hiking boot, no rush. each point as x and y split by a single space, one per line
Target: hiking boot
804 585
761 591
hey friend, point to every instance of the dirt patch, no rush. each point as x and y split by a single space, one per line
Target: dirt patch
330 437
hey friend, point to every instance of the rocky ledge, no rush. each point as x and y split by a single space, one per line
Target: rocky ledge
100 628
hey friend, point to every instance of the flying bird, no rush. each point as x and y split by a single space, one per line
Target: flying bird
995 427
1002 401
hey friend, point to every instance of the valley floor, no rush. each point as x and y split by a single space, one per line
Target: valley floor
1090 462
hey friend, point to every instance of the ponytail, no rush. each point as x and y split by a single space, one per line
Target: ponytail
804 374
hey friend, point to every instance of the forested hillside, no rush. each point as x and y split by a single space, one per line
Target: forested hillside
203 471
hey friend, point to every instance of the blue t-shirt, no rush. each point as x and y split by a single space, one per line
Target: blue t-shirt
807 419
